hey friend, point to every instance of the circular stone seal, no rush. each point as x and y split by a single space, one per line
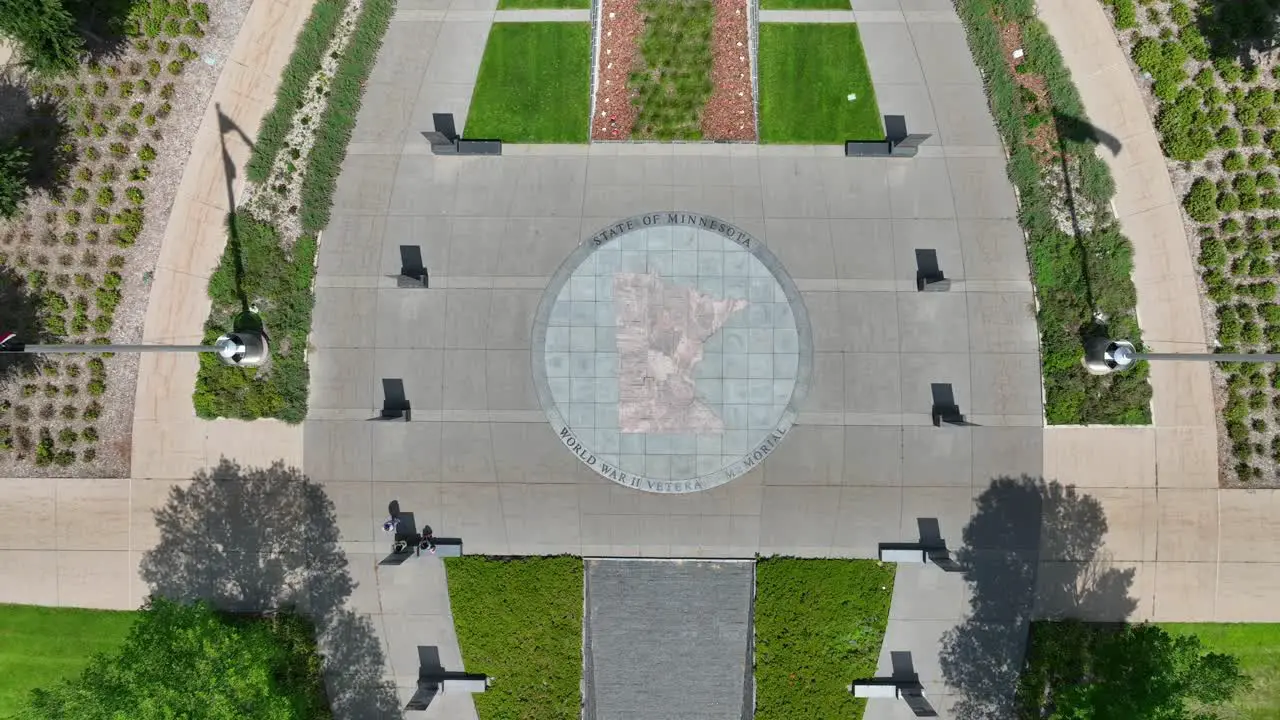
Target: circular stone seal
671 352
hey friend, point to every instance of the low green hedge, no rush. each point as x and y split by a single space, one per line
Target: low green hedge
819 625
339 118
519 620
303 64
1083 280
256 269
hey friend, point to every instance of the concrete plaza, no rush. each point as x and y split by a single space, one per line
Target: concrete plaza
864 464
1147 535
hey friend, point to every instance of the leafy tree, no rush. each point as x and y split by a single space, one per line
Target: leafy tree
1144 672
13 179
44 32
189 661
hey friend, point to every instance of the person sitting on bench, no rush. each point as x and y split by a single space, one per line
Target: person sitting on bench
427 541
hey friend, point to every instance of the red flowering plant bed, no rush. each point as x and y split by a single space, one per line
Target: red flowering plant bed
674 70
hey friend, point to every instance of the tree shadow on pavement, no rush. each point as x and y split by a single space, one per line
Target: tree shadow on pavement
1077 130
264 539
1032 550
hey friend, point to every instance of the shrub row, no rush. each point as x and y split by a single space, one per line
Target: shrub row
44 34
1079 279
305 61
257 268
673 88
339 118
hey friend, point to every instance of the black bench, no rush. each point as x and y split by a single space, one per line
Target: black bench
436 682
479 147
868 148
442 145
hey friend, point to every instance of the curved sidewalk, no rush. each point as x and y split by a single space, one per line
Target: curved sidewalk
169 441
95 564
1195 548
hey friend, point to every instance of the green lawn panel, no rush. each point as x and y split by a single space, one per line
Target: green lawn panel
544 4
41 645
807 72
1258 648
805 5
520 621
819 625
534 84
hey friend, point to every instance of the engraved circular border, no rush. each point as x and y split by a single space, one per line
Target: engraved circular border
679 218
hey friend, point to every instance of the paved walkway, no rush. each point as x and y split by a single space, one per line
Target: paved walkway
169 441
1199 553
101 526
668 639
851 475
524 16
942 14
865 463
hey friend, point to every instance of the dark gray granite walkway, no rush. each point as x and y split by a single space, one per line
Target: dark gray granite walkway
668 639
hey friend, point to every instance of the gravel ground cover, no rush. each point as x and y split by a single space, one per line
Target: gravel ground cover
674 71
112 140
1210 77
730 114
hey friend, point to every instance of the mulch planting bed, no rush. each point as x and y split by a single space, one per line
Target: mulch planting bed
621 25
674 71
730 113
110 142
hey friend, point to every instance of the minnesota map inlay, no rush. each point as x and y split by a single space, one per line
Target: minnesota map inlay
661 331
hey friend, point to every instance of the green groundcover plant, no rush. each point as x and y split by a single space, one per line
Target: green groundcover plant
258 269
308 53
1082 274
819 625
520 620
675 83
188 660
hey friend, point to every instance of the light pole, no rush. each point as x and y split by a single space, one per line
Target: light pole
238 349
1103 356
